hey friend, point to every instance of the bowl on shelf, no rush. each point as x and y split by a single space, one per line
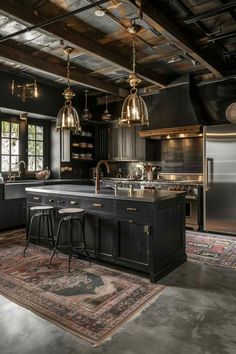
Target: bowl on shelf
83 145
43 174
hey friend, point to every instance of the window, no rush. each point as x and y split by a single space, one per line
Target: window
35 147
9 146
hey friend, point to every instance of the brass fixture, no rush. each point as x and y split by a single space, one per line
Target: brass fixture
106 115
24 117
25 91
67 118
97 181
86 115
117 183
134 110
175 132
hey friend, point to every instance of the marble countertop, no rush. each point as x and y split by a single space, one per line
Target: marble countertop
89 191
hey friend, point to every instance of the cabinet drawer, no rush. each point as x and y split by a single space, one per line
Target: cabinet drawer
133 210
98 205
73 202
35 198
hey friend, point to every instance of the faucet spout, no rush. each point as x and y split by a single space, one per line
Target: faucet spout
97 182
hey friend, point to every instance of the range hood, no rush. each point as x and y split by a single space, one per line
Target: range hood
174 112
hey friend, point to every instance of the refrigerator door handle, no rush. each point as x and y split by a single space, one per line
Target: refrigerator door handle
208 170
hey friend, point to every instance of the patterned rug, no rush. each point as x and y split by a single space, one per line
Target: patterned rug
212 249
92 301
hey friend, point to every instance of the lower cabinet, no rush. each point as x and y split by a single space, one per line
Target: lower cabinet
105 238
12 213
132 244
90 233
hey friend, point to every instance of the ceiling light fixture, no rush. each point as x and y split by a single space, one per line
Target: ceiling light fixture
67 118
106 116
86 115
25 91
134 110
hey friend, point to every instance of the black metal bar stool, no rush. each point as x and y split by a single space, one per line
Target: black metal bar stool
71 215
42 212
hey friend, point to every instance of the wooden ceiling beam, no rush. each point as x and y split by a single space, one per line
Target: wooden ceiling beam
161 23
22 57
22 13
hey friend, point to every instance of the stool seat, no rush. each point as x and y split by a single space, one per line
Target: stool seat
70 211
42 207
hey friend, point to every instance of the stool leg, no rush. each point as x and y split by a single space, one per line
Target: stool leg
29 233
69 244
57 239
49 235
51 229
81 223
38 228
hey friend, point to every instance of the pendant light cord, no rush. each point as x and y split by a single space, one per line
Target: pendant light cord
134 55
68 70
86 99
106 102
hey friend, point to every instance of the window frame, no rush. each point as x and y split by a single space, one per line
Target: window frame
23 141
10 154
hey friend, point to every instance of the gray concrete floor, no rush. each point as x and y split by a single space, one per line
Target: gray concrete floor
195 314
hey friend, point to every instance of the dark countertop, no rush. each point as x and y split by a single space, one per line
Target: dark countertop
89 191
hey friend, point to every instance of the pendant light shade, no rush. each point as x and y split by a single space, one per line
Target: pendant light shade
106 116
134 110
86 115
67 118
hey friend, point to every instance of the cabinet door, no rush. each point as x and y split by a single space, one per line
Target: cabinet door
65 146
114 143
140 146
106 229
90 233
132 247
127 143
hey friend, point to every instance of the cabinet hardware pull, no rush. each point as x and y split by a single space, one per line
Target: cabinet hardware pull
131 221
147 230
36 198
132 209
51 200
61 201
73 202
97 205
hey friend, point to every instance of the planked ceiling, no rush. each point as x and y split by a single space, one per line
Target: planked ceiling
175 37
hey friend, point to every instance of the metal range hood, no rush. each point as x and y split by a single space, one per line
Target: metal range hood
174 112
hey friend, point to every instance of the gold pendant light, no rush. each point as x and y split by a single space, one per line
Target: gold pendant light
67 118
134 110
86 115
106 116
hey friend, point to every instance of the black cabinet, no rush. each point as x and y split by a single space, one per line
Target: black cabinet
12 213
105 235
90 233
124 143
132 244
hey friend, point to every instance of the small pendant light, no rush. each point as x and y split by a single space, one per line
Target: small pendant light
67 118
106 115
134 110
86 115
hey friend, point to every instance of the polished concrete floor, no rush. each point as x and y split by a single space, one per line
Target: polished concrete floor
195 314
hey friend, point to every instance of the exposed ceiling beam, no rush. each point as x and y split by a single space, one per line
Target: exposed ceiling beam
19 12
47 66
210 13
156 19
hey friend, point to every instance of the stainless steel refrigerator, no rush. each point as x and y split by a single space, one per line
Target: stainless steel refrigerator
220 179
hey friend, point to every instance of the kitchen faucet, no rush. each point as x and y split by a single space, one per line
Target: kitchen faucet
130 176
12 177
117 183
97 181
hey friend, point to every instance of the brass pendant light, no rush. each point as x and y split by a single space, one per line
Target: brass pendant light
86 115
134 110
106 116
67 118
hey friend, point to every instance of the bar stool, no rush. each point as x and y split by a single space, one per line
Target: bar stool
42 212
70 215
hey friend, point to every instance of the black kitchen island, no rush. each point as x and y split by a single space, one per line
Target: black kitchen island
142 230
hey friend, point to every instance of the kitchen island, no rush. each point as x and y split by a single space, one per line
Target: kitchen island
142 230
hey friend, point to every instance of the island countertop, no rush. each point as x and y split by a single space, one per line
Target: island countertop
152 196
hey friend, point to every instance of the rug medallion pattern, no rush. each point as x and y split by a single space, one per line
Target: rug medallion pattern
92 301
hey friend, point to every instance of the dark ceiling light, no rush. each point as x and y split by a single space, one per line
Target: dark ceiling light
106 116
86 115
67 118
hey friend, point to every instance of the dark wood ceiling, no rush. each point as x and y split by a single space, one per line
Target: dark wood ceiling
175 37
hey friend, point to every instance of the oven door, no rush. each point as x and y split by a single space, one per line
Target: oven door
191 212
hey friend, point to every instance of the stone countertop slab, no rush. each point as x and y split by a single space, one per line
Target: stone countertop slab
89 191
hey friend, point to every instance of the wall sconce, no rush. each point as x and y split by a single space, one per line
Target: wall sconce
25 91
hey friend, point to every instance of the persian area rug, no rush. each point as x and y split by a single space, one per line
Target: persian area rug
92 301
212 249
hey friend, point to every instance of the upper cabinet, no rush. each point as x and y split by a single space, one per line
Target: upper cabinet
124 143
